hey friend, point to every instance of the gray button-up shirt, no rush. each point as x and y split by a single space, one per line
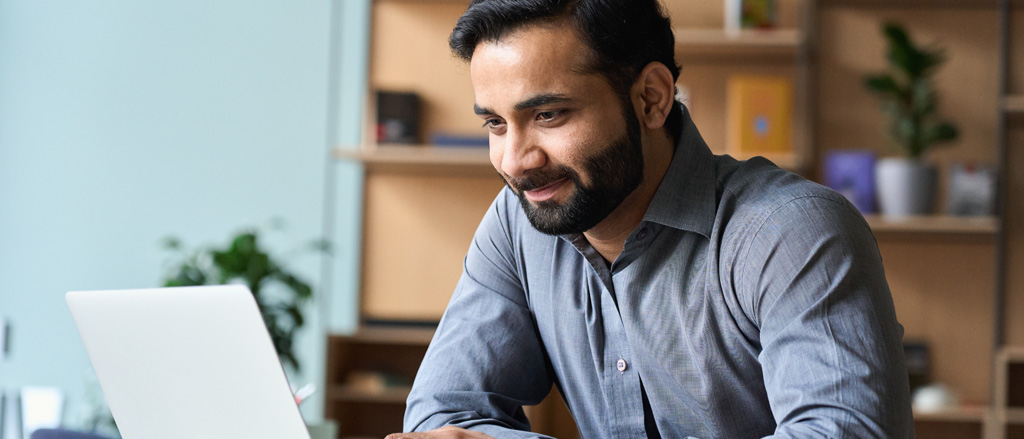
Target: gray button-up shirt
749 302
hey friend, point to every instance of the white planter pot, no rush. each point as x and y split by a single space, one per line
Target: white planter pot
905 186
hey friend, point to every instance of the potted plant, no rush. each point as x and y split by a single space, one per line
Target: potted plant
279 293
906 184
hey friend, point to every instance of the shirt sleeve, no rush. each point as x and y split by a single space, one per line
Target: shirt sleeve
486 360
831 353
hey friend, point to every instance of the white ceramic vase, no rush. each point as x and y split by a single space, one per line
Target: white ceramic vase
906 187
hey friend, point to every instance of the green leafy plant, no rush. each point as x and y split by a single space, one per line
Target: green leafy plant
279 293
908 95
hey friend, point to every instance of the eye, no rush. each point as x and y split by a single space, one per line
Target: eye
492 123
495 125
548 116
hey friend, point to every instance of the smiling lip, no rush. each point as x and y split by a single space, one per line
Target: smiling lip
545 193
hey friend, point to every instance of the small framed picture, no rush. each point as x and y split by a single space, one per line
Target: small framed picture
972 190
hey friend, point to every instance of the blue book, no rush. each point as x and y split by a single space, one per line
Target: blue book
852 173
442 139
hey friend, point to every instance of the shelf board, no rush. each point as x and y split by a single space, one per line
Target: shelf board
1011 354
346 393
417 156
964 414
986 225
1010 415
748 42
1013 104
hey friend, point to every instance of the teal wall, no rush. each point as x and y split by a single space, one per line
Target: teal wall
122 122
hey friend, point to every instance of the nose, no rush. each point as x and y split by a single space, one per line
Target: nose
518 153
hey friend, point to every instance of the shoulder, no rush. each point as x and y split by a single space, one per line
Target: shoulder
778 230
756 193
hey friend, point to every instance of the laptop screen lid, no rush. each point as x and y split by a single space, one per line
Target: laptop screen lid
187 362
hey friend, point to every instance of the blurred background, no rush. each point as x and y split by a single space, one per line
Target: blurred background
348 122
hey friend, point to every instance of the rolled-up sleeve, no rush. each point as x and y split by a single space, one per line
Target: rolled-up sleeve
486 360
831 353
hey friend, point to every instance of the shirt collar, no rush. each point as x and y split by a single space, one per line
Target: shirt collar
686 198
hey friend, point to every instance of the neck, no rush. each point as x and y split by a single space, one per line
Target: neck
609 236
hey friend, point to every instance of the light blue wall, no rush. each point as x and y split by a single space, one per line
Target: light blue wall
123 121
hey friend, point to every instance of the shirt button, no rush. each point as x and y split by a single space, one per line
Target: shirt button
642 234
621 365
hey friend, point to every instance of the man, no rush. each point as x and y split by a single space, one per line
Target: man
666 291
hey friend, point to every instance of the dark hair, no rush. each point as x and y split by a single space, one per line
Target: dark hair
623 35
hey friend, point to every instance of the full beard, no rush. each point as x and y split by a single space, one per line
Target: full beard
615 173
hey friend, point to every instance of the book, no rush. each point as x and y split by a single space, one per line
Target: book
398 117
457 140
759 115
852 173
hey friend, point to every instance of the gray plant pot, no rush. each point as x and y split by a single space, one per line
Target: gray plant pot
905 186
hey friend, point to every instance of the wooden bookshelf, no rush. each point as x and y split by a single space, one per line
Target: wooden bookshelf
934 224
719 42
372 409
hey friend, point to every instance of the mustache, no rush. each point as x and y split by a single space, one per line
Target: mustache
540 178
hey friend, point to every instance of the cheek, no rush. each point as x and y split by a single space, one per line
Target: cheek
495 151
569 146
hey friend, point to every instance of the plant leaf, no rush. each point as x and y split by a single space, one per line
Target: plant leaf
943 132
882 84
901 51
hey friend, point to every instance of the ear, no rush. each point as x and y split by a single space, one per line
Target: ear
654 92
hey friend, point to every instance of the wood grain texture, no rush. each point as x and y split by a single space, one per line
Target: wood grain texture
417 229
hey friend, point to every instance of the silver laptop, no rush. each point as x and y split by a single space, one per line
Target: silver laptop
191 362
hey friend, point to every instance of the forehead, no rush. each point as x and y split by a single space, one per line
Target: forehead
533 59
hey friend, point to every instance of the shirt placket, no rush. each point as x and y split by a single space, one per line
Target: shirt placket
622 381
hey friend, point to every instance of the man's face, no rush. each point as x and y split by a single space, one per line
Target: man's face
564 141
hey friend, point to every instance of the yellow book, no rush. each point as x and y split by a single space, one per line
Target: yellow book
759 115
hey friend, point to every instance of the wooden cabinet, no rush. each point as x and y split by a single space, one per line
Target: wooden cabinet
369 375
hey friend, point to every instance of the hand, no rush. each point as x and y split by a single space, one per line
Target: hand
448 432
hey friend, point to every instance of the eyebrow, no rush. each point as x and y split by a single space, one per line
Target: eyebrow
532 102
